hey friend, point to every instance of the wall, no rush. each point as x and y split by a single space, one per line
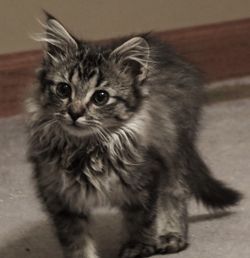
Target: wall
99 19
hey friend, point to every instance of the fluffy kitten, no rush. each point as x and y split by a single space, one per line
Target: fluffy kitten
116 125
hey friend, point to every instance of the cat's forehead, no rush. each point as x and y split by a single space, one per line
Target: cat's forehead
84 63
80 66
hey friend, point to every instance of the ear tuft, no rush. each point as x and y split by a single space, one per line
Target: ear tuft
58 40
134 51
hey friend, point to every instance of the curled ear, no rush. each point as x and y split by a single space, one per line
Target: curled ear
133 55
58 41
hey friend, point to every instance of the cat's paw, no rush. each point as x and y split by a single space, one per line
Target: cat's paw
137 250
171 243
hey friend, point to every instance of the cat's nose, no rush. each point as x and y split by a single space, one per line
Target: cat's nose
76 114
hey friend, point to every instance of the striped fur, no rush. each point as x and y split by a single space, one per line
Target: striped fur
135 152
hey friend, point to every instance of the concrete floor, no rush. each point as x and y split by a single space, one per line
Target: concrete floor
225 145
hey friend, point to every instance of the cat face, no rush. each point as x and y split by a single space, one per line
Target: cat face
87 88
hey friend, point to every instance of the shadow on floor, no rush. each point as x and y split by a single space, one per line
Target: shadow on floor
210 216
39 241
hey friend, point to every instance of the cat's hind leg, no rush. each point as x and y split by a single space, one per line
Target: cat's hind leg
171 221
162 228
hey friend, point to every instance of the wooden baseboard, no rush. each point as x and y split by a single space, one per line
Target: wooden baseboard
221 51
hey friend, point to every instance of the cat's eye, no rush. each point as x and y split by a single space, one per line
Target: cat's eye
63 90
100 97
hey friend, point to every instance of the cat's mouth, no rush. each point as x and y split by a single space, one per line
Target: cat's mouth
77 129
74 125
81 128
77 125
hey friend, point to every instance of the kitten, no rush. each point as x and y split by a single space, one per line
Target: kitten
116 125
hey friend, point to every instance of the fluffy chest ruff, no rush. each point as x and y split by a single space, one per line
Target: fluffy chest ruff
85 175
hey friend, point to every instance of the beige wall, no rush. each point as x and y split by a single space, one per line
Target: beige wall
98 19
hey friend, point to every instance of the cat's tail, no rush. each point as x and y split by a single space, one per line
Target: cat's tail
210 191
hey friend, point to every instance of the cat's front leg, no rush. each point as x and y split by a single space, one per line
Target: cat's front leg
73 234
140 224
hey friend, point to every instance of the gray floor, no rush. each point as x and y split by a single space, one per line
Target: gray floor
225 144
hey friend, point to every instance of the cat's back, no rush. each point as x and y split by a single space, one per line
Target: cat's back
172 74
176 95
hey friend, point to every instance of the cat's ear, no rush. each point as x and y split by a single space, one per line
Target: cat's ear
58 41
133 55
